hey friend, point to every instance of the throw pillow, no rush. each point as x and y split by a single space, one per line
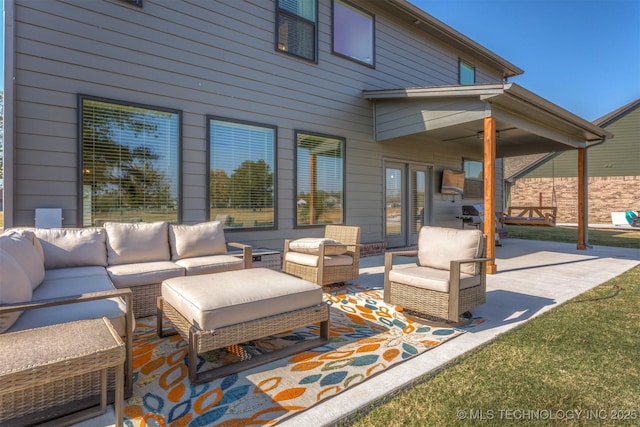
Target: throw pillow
188 241
73 247
311 245
133 242
19 244
14 287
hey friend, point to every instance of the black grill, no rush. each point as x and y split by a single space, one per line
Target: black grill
473 210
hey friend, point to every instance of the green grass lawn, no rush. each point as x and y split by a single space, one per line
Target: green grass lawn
576 365
620 238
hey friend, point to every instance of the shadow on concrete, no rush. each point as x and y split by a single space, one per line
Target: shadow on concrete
507 307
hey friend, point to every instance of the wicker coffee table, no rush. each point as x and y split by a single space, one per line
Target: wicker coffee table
46 356
213 311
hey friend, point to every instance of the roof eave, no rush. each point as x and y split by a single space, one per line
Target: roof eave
495 93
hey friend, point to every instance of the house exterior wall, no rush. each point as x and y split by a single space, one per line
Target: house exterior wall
613 169
216 58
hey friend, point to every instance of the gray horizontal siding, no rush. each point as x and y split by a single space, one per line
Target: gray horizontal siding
619 156
213 58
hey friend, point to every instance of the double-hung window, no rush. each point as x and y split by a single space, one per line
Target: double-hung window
130 157
297 28
319 179
353 33
241 173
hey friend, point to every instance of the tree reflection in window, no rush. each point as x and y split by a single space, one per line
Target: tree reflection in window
319 179
130 158
241 173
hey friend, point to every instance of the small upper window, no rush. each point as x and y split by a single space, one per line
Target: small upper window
296 28
467 73
353 32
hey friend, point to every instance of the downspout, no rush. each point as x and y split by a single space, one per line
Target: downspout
9 116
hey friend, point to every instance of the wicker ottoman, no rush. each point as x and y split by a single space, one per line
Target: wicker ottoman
50 355
212 311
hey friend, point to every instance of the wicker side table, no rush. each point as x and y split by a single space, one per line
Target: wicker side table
53 353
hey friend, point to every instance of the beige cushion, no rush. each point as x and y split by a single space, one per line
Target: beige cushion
74 272
438 246
213 301
189 241
137 242
143 273
312 260
21 248
311 245
113 308
430 278
72 247
210 264
14 287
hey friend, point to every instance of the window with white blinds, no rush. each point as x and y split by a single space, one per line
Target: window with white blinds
130 162
296 28
241 173
320 179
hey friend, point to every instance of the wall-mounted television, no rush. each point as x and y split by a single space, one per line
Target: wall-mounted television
452 182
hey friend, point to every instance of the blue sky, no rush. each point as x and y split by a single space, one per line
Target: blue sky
583 55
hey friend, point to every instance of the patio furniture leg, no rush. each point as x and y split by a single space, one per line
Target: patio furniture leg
211 374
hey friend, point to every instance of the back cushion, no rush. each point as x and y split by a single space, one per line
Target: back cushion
188 241
72 247
137 242
438 246
14 287
19 244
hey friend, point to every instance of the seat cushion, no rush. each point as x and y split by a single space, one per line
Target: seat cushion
312 260
310 245
438 246
74 272
113 308
14 287
213 301
188 241
21 248
143 273
129 243
72 247
430 278
210 264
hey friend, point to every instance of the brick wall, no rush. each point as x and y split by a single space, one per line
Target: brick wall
606 195
372 249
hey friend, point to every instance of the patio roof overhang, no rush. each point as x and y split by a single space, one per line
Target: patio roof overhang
525 122
501 119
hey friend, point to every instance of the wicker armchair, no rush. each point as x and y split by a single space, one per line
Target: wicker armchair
449 277
326 263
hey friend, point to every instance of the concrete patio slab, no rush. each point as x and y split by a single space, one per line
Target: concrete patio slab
532 278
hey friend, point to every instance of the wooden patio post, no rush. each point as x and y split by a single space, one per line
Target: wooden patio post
582 191
490 190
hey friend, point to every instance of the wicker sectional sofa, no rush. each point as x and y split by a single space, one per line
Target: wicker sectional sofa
138 256
53 276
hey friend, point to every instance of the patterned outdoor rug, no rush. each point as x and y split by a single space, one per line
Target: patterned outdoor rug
367 336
